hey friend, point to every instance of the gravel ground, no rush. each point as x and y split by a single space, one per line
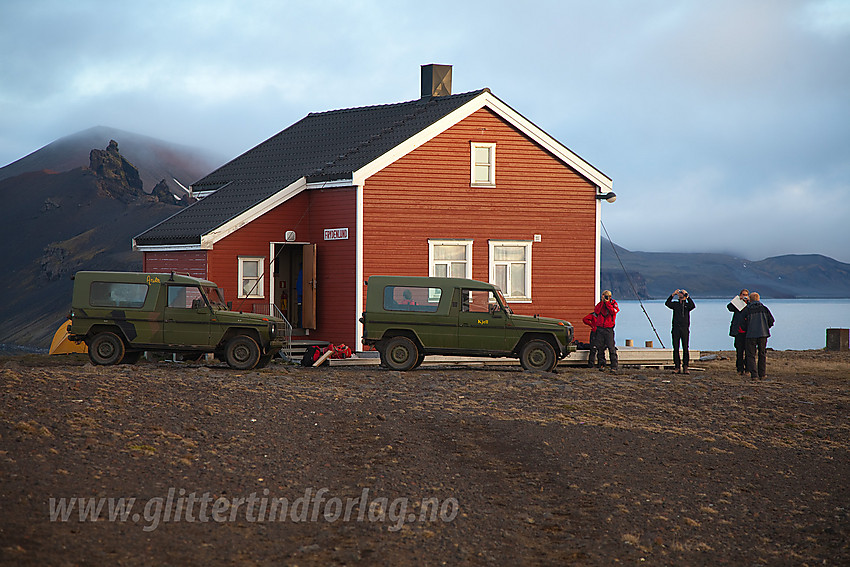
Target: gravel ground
366 466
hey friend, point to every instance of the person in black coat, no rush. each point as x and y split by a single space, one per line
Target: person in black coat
738 330
759 320
681 327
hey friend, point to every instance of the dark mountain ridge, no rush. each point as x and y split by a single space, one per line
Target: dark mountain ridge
157 161
55 224
656 274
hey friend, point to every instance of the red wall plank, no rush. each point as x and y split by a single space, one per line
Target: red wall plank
191 262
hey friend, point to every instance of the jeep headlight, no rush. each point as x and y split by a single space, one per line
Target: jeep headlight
273 330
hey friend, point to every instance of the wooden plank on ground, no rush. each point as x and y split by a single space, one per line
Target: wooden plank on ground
323 358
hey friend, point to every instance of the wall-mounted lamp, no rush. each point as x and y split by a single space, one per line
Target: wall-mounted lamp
610 196
289 236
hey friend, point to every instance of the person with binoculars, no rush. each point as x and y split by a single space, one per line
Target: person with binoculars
681 327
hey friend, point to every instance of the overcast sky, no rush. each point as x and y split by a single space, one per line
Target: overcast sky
725 125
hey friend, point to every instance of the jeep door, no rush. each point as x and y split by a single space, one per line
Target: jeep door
481 322
186 316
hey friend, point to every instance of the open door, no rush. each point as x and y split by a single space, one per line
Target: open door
308 302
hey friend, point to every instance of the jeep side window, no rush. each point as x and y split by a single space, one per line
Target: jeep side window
185 297
114 294
478 301
412 298
504 302
214 297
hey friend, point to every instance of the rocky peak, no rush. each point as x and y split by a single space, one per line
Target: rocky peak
116 177
119 179
162 192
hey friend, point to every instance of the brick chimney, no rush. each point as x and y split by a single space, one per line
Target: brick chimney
436 80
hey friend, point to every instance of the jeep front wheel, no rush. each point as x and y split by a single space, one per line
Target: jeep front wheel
106 348
538 355
419 361
242 353
401 354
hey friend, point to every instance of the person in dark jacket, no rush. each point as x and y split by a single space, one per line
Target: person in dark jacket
590 321
606 317
738 331
681 327
758 320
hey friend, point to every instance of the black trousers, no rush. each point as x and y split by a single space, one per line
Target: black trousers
740 352
591 357
605 340
757 344
681 335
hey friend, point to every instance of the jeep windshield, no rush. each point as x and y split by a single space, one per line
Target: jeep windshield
504 303
214 297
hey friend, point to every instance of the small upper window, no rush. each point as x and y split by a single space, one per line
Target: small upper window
251 277
483 164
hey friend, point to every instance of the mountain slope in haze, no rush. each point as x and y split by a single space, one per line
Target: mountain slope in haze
55 224
656 274
156 160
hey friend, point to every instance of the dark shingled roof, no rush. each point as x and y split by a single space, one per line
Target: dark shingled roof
323 146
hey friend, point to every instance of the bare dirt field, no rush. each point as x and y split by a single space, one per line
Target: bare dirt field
366 466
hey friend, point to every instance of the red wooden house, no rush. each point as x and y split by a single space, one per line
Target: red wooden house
459 185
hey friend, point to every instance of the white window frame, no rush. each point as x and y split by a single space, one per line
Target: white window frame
493 244
259 291
450 242
491 181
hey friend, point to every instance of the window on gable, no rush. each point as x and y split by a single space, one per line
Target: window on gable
510 268
450 258
483 164
251 277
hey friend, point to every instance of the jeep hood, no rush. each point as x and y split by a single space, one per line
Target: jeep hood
532 320
239 317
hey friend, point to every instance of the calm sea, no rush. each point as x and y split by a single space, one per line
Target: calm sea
800 323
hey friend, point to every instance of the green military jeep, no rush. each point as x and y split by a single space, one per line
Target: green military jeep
407 318
119 315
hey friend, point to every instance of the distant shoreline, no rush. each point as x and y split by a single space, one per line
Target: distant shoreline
15 350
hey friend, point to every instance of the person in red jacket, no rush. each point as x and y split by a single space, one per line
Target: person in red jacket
606 317
590 321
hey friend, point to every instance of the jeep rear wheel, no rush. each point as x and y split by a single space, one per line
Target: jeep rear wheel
242 353
538 355
106 348
400 354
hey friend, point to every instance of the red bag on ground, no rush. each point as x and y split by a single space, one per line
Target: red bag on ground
340 351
